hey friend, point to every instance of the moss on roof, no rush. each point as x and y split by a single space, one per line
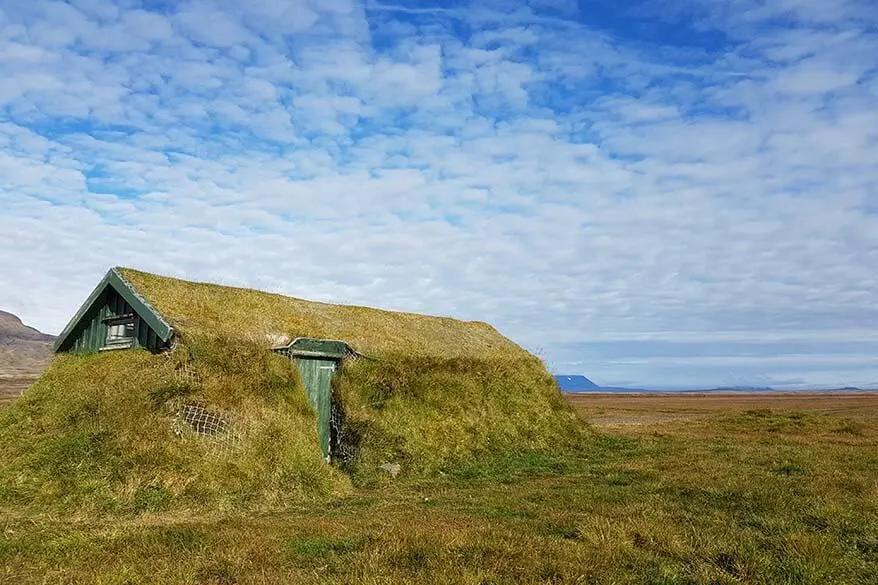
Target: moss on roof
103 430
201 308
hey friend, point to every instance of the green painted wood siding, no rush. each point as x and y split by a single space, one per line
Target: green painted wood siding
318 360
90 334
317 375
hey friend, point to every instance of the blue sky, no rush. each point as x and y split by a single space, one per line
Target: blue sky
663 193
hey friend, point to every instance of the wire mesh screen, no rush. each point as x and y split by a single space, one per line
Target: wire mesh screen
344 441
194 420
185 372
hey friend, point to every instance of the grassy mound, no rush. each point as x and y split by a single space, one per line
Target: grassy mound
435 415
116 431
105 431
436 393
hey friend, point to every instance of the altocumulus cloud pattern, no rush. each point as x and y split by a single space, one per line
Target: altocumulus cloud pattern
663 192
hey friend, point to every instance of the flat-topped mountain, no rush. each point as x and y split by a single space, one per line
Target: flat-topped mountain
575 383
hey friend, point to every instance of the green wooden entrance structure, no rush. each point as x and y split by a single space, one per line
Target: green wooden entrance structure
318 360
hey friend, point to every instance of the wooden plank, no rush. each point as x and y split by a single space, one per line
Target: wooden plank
117 296
316 376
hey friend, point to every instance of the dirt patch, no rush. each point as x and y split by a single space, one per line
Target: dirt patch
611 410
11 387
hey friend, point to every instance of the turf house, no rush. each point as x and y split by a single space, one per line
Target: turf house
164 391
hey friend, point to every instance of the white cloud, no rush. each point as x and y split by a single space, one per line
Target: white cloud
566 183
812 77
809 359
205 22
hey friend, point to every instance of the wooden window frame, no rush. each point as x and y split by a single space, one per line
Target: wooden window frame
117 341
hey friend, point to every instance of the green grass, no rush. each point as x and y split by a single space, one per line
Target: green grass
96 433
454 416
196 308
499 483
772 497
103 432
433 396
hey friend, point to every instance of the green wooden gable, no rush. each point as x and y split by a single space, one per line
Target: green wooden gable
114 316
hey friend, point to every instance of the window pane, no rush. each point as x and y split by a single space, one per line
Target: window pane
120 333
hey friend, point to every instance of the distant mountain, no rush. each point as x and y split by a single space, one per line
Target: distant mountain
24 351
575 383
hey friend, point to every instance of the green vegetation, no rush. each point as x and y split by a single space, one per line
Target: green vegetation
106 432
221 422
97 432
202 466
445 415
706 501
195 308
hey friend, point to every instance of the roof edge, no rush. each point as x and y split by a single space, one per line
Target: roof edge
140 305
293 350
150 314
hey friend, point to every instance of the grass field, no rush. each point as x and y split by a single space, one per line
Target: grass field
672 490
618 411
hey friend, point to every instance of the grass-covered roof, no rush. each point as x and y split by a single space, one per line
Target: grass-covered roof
103 430
210 309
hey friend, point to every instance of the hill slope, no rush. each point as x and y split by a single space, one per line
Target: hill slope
24 354
23 350
12 329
